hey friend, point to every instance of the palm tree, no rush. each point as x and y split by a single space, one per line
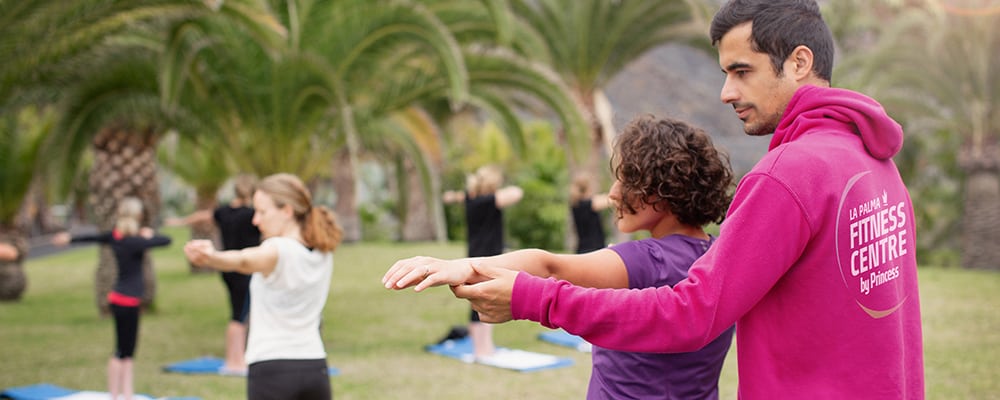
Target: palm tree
954 90
111 88
21 136
383 51
587 42
320 99
501 83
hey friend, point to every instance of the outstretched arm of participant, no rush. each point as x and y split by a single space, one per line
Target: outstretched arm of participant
261 258
424 272
600 202
508 195
61 239
193 218
491 298
453 196
8 252
601 269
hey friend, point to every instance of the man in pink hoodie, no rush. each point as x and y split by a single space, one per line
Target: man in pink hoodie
815 262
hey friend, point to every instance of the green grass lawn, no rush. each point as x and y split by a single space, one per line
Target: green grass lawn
375 337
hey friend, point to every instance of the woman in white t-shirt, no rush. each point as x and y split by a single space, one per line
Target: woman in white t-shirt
291 279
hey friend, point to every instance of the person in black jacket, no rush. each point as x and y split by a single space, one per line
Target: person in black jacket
484 198
585 205
237 231
129 242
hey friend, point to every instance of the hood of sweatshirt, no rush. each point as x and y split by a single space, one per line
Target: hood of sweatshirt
817 108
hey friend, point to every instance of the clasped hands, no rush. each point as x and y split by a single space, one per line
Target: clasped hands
199 252
487 287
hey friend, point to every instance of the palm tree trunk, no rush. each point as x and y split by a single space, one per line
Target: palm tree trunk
35 216
347 203
420 223
124 165
981 217
13 281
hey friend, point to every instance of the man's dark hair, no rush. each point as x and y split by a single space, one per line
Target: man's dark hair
779 26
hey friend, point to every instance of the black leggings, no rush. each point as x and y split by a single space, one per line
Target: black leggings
238 286
289 379
126 329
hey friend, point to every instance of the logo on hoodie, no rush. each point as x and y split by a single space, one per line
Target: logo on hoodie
873 235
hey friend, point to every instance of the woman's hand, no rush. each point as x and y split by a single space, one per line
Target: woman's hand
61 239
424 272
8 252
199 252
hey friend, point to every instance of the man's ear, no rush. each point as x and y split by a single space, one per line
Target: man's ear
800 63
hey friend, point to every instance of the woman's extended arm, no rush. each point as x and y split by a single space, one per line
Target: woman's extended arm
261 258
600 201
600 269
508 195
190 219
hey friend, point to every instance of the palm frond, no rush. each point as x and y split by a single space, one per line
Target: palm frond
21 138
590 41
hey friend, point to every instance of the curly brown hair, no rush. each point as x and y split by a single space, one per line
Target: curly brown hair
672 166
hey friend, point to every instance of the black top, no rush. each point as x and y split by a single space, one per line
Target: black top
588 227
128 251
484 222
236 227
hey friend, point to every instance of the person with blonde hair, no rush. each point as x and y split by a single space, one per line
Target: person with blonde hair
290 282
485 197
585 206
128 241
237 231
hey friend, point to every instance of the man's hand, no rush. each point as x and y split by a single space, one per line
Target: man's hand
491 298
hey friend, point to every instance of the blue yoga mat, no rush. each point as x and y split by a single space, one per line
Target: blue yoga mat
563 338
210 366
48 391
517 360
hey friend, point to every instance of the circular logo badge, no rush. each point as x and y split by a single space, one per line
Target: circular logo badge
874 238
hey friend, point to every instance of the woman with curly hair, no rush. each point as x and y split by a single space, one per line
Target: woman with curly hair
670 181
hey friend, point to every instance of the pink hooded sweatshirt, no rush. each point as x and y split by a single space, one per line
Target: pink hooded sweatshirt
815 264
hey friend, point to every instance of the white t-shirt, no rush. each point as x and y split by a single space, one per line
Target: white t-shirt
286 305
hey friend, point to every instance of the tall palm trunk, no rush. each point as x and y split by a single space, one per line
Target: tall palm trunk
981 217
35 216
347 203
13 281
124 165
420 221
597 111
